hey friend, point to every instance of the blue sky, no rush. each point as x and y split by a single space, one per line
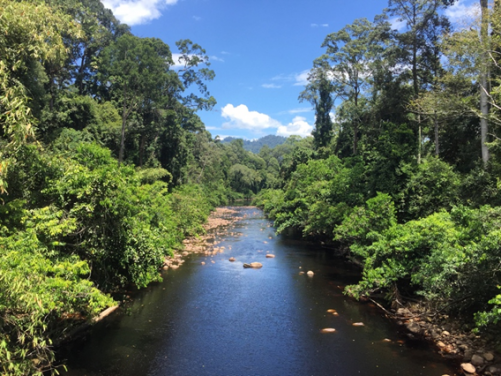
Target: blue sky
260 50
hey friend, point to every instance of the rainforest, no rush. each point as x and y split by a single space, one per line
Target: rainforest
106 166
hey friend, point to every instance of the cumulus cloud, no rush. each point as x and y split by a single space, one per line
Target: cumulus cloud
298 127
319 25
240 117
135 12
462 11
271 86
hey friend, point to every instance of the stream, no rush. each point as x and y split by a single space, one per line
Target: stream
222 319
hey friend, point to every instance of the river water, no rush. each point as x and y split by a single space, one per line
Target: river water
222 319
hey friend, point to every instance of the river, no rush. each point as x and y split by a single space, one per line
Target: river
222 319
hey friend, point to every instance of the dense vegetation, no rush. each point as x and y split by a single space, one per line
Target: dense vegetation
105 165
406 179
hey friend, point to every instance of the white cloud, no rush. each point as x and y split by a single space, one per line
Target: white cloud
135 12
397 24
215 58
177 63
301 78
319 25
197 18
300 110
225 53
271 86
240 117
462 11
299 127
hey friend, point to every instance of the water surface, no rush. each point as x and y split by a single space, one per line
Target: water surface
222 319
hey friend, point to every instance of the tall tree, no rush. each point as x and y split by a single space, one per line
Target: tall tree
134 71
349 64
319 93
484 79
419 43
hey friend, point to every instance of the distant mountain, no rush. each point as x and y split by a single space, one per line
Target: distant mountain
255 146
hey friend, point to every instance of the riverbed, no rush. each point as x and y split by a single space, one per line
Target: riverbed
214 317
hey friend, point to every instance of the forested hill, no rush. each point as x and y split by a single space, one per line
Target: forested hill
255 146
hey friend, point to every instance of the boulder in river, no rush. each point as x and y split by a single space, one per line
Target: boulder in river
358 324
310 273
253 265
269 255
232 259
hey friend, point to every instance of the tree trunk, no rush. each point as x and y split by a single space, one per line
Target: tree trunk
484 86
419 139
124 121
437 146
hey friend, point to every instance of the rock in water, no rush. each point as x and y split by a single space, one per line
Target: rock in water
269 255
232 259
468 367
358 324
328 330
488 356
310 273
477 360
253 265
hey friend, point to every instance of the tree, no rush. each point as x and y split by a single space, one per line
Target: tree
348 63
31 35
418 44
318 93
135 71
484 76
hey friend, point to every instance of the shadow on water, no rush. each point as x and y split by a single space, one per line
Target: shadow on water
222 319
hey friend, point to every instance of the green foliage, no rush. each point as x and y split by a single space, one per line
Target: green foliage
451 259
77 219
365 224
43 293
318 195
432 187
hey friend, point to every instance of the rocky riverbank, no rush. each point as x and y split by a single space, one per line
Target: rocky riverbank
474 354
218 223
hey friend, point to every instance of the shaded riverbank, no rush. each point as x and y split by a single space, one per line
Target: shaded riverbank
221 319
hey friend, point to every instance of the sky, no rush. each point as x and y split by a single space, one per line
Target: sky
260 50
